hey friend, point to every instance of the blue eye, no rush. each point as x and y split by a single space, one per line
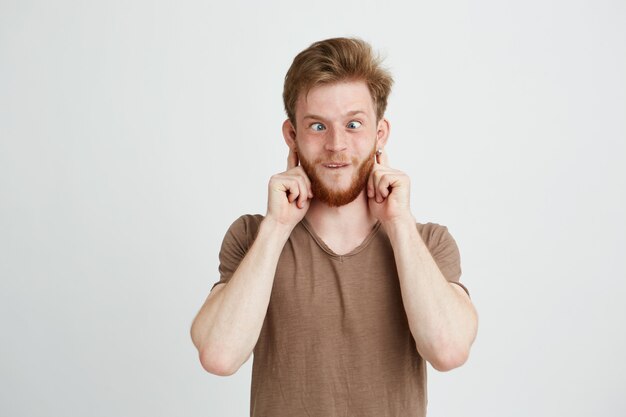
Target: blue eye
354 124
317 127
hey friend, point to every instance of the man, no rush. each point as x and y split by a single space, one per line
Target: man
339 292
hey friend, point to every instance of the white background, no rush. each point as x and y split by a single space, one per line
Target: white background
134 133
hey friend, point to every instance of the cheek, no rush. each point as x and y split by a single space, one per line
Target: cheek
304 152
310 151
368 148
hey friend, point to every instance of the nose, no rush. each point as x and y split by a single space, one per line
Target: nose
335 141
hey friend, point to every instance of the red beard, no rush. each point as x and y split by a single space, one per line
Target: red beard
334 197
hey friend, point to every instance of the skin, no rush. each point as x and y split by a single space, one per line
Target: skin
336 124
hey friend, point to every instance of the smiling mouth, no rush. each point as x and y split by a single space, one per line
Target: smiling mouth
335 165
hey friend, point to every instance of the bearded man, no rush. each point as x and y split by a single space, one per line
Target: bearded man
340 294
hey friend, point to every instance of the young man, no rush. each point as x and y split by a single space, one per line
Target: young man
339 292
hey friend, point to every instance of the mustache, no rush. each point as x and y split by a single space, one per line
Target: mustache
337 160
340 159
330 158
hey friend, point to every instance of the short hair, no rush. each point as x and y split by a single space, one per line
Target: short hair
336 60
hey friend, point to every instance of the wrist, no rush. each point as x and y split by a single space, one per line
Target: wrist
271 226
399 222
402 231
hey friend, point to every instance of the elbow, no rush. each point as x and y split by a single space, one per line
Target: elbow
216 364
212 359
449 354
449 359
446 354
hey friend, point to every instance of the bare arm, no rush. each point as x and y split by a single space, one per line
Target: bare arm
229 323
441 316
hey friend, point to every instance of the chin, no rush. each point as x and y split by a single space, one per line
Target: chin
336 197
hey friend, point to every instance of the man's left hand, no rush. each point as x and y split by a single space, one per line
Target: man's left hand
388 192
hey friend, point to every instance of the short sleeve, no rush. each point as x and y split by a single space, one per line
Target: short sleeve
444 251
236 243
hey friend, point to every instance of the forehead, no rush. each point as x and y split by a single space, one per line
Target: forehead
333 100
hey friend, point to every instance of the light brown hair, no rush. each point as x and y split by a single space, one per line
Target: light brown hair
335 60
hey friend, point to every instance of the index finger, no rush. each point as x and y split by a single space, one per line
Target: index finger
292 159
382 159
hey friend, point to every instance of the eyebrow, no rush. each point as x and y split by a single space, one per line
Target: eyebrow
350 113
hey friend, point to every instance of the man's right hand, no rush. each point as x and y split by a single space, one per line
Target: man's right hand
289 194
227 327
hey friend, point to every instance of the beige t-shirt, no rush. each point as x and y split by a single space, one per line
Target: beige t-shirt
336 341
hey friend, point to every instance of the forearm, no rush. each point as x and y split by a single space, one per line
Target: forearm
228 326
441 317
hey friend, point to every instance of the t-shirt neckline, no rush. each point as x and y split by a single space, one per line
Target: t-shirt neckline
329 251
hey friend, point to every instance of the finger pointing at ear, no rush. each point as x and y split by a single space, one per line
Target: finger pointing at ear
292 159
381 157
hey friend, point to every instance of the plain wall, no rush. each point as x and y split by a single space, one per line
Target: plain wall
132 133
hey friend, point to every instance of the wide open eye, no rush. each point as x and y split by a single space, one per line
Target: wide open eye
354 124
317 126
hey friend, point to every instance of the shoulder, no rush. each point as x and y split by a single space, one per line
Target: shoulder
443 248
245 227
433 233
248 221
240 235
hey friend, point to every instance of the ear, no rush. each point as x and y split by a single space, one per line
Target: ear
382 132
289 133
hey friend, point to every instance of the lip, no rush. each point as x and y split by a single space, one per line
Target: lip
335 165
